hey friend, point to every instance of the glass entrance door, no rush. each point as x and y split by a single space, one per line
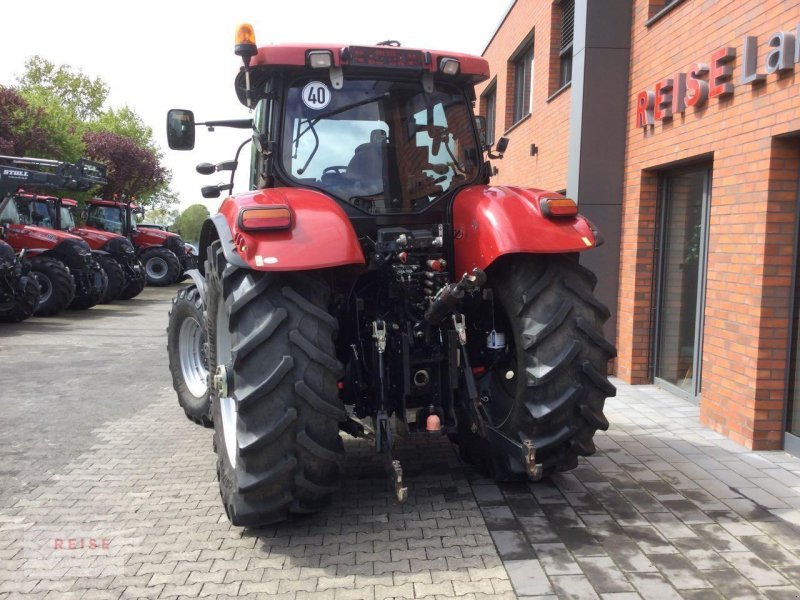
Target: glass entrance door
681 277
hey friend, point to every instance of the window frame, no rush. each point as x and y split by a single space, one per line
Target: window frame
525 55
489 101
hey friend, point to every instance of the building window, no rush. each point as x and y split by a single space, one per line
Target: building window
567 34
658 8
489 110
523 82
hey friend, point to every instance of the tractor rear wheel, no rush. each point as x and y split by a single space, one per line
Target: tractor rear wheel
55 283
275 402
134 286
27 300
116 278
186 348
550 386
161 266
93 295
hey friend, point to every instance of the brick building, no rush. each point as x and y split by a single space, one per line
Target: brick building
676 126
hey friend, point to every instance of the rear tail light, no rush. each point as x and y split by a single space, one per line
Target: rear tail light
558 207
265 217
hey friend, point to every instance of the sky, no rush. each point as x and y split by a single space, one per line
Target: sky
179 54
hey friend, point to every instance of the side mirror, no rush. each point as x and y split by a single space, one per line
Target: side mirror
499 148
205 168
84 214
480 125
180 129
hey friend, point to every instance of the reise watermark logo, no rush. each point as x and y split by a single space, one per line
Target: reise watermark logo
81 543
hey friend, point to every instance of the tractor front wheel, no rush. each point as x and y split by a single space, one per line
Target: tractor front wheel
186 348
549 386
275 401
56 285
26 302
161 266
116 278
95 290
135 284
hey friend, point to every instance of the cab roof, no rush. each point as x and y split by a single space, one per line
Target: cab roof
381 59
112 203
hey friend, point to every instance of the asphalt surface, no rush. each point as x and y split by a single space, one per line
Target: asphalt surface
62 377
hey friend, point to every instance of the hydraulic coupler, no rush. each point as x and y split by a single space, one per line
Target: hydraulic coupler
448 298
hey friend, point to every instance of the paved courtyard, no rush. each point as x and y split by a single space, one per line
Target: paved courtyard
120 500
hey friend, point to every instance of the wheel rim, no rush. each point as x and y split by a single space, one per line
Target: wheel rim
191 341
227 405
45 287
156 267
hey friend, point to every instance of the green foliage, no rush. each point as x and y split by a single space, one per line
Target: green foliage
79 94
191 221
160 216
59 112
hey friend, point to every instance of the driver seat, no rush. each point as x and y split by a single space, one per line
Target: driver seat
366 166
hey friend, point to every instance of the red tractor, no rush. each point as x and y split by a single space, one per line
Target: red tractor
114 252
19 291
62 263
374 279
165 256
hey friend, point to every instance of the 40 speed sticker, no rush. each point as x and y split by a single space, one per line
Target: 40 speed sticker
316 95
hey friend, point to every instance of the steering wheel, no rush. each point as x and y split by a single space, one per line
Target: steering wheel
339 170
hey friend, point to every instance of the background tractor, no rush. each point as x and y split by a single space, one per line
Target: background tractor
373 279
114 252
62 263
164 255
19 291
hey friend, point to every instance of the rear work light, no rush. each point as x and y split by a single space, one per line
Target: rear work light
449 66
320 59
265 217
558 207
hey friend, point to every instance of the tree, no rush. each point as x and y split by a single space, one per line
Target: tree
133 171
191 221
62 115
160 216
21 131
81 95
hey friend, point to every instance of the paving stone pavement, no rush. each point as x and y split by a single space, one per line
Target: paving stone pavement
665 509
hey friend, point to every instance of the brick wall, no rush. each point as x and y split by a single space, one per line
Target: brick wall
753 199
548 124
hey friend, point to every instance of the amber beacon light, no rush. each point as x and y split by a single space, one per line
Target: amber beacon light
245 42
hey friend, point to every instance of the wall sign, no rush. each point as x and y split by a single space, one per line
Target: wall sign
671 96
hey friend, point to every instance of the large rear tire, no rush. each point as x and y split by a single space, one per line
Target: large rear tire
551 385
161 266
116 278
186 348
26 303
276 432
56 285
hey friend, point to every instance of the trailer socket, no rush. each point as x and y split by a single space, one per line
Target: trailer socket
422 378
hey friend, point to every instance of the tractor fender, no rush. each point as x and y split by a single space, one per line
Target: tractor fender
320 235
490 221
199 282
